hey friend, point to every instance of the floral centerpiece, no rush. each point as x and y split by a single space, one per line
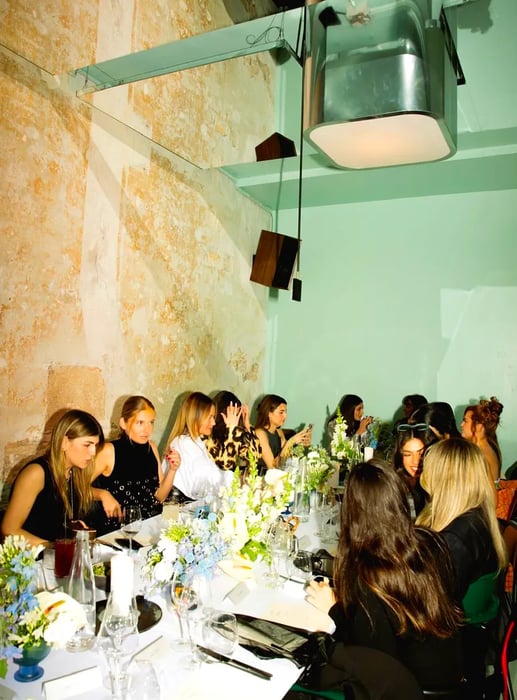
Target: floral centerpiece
186 549
248 509
342 447
318 467
29 619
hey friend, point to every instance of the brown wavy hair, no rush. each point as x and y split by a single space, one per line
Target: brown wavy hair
487 413
267 405
380 549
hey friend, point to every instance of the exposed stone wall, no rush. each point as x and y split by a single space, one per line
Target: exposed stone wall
125 269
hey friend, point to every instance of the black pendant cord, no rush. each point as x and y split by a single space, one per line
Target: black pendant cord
297 283
70 502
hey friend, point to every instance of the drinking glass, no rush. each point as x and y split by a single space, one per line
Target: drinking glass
279 544
143 683
219 631
300 566
63 555
187 603
131 523
117 640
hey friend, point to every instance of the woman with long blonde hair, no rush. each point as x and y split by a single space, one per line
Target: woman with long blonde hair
462 509
53 490
197 472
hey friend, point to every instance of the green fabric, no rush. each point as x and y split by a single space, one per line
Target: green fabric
481 601
330 694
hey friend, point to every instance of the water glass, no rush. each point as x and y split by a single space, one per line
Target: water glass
300 566
143 681
219 631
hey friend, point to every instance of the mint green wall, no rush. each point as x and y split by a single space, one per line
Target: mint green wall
400 296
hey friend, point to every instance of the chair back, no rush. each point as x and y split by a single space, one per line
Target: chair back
481 601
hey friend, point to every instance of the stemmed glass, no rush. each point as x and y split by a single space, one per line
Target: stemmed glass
131 523
118 640
186 601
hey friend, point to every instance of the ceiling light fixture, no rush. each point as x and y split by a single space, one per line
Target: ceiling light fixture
383 90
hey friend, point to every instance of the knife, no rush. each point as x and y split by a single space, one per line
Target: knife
236 664
112 545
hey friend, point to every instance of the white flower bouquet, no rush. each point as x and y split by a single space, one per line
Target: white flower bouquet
249 509
342 447
318 468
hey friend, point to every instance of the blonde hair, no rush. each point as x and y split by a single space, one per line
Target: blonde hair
73 424
193 411
456 478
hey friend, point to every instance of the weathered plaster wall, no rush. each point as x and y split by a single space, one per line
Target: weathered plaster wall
125 269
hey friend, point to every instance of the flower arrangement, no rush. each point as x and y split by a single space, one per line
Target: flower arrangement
341 446
319 468
249 509
186 549
27 618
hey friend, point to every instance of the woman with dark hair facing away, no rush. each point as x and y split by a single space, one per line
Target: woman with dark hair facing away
410 403
53 490
197 472
392 581
408 454
351 408
479 426
271 416
127 470
233 438
436 420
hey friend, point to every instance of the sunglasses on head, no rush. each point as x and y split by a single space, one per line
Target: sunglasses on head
416 427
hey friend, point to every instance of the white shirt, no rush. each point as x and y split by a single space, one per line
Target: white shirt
197 471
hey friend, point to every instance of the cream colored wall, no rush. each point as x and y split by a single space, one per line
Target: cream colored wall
125 268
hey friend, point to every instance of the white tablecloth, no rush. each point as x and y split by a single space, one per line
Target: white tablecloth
213 681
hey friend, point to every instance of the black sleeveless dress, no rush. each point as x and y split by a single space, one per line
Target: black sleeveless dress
133 481
47 516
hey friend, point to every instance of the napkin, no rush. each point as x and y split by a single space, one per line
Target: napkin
238 568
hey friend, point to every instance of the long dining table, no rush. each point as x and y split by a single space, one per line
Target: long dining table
84 675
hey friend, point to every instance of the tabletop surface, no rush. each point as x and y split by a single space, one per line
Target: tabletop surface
251 597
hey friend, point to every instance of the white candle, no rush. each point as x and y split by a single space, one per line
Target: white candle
368 453
122 572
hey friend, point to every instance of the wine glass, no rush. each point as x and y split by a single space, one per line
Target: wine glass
186 602
117 639
131 523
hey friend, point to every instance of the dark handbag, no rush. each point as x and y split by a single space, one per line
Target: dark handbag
268 640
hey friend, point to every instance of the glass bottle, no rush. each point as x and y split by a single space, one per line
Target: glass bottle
81 587
301 505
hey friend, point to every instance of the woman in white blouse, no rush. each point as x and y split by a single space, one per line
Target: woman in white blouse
197 473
